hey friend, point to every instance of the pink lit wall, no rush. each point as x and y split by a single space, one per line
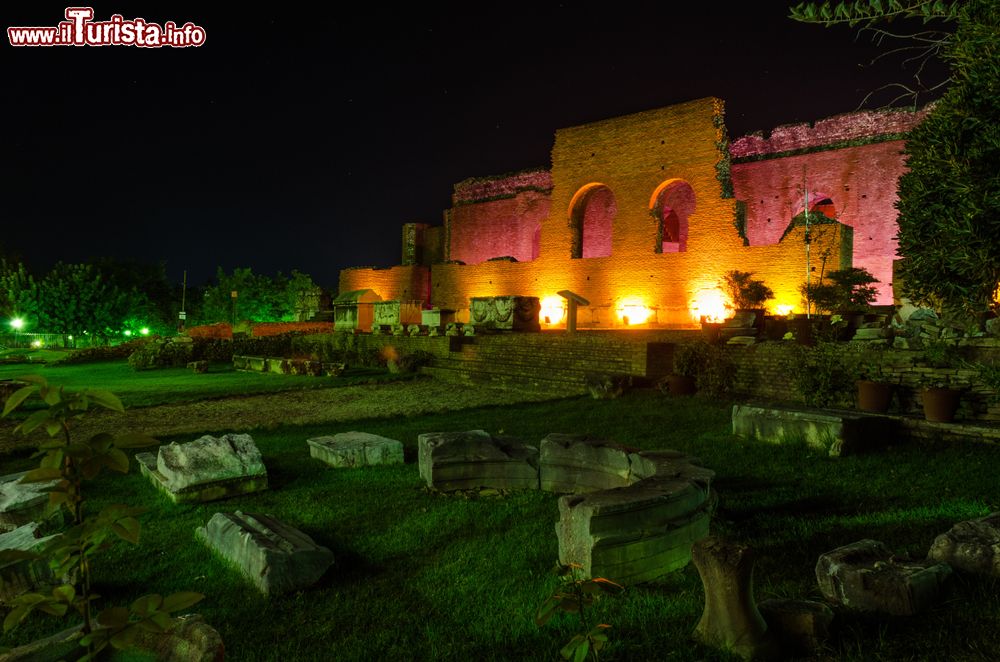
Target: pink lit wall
598 221
510 226
859 180
499 216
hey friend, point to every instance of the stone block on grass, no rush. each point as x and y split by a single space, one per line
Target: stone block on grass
972 546
633 534
865 576
473 459
206 469
21 503
274 556
356 449
576 463
23 575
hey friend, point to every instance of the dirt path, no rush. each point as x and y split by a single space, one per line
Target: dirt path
293 408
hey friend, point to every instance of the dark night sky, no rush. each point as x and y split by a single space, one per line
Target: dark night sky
293 140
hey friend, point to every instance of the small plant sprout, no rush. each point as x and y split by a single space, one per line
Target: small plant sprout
577 595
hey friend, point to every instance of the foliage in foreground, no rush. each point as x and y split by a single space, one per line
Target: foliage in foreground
459 577
577 595
70 554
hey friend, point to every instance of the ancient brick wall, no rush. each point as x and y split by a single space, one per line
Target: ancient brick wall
768 371
497 228
405 283
854 160
635 159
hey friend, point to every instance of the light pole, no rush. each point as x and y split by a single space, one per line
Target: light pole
17 324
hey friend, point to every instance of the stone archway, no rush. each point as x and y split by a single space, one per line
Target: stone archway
591 217
671 205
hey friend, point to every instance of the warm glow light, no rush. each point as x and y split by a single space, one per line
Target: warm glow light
127 332
144 330
709 304
633 310
17 324
553 310
36 343
784 309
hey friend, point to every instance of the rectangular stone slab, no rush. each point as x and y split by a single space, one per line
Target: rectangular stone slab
25 575
356 449
21 503
203 492
837 432
474 459
209 459
274 556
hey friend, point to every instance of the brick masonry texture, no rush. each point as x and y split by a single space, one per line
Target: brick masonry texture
633 157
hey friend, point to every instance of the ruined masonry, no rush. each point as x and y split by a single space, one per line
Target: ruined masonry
629 516
356 449
206 469
275 557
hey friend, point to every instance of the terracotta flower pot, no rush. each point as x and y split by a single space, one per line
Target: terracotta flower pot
681 385
940 404
874 396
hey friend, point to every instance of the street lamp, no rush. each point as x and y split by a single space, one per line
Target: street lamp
17 324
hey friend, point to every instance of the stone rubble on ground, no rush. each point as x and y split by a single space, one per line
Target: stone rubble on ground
21 503
972 546
864 576
207 468
274 556
356 449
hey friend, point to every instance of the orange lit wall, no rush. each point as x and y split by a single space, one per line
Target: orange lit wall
635 157
404 283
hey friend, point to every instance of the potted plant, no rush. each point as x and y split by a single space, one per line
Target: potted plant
846 292
689 360
940 399
746 293
874 392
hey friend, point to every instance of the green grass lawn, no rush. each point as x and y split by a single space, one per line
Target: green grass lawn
442 577
144 388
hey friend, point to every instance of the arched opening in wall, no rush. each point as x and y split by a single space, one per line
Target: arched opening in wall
830 244
591 218
671 205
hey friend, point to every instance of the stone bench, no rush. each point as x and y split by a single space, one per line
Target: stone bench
206 469
836 432
630 516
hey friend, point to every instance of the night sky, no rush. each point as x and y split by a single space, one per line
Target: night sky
295 140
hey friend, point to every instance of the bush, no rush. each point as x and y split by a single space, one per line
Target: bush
824 375
716 377
848 290
690 358
109 353
745 292
161 354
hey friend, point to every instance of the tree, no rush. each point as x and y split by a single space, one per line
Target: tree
260 298
949 200
18 292
75 299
